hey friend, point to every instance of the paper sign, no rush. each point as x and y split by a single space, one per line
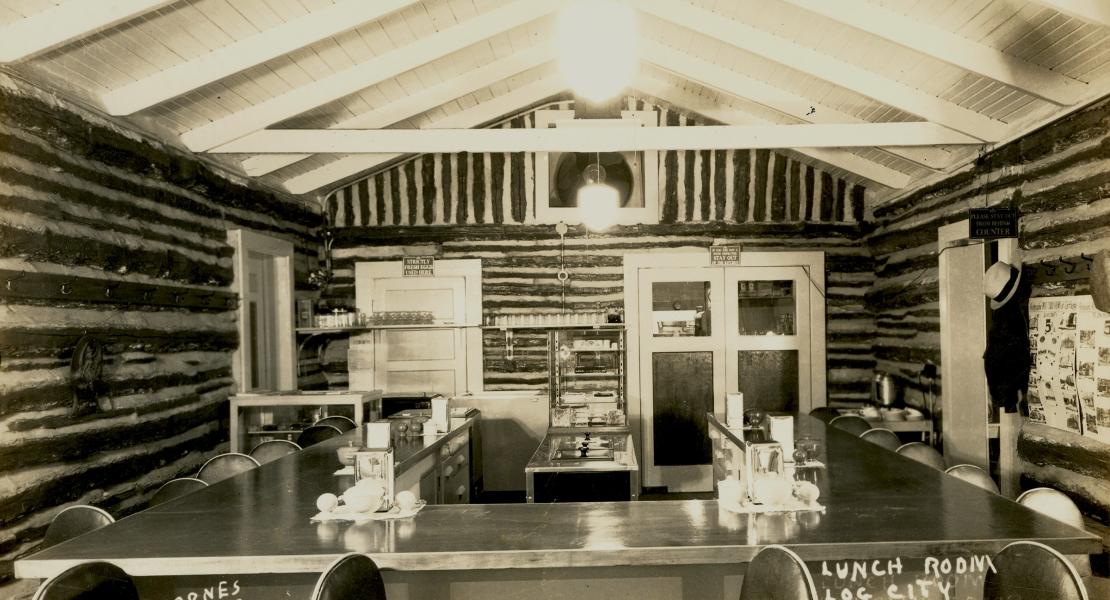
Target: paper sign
418 266
724 255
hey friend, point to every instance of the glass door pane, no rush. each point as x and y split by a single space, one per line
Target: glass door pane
766 307
681 308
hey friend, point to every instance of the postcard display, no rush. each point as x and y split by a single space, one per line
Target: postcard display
1069 384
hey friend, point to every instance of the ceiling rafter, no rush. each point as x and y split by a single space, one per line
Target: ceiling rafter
825 67
423 101
475 116
746 88
953 49
66 23
841 159
368 73
1092 11
247 53
572 139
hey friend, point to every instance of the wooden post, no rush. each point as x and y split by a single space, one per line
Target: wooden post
1009 465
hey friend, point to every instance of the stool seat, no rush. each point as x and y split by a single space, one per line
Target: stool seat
777 573
271 450
884 438
1032 571
922 453
349 577
74 521
973 475
343 424
89 581
316 434
850 423
175 488
225 465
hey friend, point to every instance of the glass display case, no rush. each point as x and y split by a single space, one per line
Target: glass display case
586 378
258 417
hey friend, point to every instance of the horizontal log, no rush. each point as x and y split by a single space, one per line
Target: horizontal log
1090 494
26 342
1043 445
55 289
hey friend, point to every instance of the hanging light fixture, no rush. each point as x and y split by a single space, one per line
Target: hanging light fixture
598 202
597 47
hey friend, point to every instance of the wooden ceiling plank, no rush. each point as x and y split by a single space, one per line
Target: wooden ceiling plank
65 23
428 99
740 86
833 157
817 64
478 115
950 48
378 70
1092 11
246 53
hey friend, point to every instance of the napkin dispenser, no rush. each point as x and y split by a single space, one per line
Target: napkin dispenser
377 463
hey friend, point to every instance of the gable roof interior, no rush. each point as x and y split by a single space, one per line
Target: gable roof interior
200 74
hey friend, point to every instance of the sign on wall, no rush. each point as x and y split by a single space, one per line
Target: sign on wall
724 255
1069 384
993 223
418 266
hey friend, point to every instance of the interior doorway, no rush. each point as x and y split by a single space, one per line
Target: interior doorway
697 331
263 268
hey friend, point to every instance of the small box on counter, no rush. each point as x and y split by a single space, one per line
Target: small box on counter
782 431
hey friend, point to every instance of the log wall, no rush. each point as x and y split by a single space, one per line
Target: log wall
1059 179
482 206
86 203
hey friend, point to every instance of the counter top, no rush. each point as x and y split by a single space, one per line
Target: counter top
409 450
879 504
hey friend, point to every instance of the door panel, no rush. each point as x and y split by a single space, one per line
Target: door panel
682 386
768 379
681 372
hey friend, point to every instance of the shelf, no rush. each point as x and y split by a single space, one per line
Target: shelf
594 349
590 375
274 432
614 326
319 330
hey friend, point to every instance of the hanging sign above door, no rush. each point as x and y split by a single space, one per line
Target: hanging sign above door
724 255
418 266
993 223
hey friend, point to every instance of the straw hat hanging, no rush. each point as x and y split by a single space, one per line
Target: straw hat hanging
1100 280
1000 282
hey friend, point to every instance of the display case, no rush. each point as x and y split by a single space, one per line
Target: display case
586 378
258 417
583 467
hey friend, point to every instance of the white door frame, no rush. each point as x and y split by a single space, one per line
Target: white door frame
245 241
814 264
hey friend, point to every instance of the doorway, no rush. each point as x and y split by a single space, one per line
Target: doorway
697 331
263 271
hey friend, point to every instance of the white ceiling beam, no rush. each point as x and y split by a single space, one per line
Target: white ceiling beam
246 53
953 49
825 67
796 107
477 115
840 159
371 72
67 22
708 137
1092 11
423 101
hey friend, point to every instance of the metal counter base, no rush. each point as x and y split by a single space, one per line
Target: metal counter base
583 467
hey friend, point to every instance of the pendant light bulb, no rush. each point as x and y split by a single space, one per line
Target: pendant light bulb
598 204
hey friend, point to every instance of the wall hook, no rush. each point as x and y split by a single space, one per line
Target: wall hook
66 288
1084 256
8 283
1051 268
109 288
1070 268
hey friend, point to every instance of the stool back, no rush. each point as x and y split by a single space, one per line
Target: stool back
226 465
824 413
1052 503
975 476
316 434
922 453
850 423
74 521
343 424
89 581
176 488
777 573
1032 571
351 576
271 450
884 438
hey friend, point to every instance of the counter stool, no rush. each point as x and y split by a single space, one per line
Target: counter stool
343 424
973 475
351 576
850 423
89 581
175 488
222 466
777 572
271 450
1056 504
922 453
881 437
316 434
1032 571
824 413
74 521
